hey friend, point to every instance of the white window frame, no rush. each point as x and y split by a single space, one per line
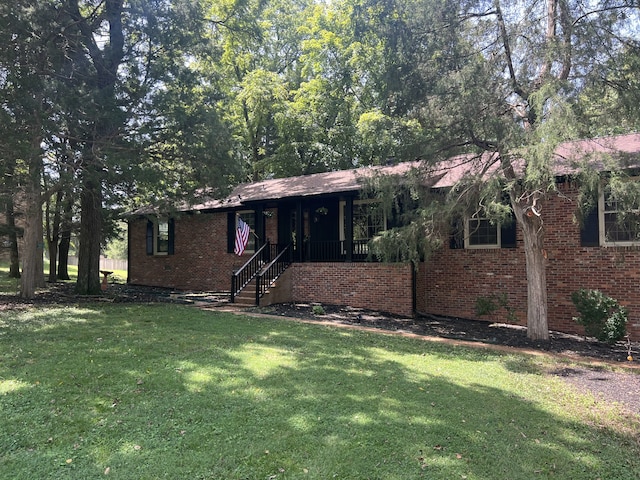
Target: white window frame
342 207
602 223
467 234
156 236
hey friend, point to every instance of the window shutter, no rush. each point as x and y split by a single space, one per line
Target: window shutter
590 231
172 234
231 231
149 237
508 234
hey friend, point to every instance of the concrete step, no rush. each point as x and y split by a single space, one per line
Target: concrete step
245 299
247 295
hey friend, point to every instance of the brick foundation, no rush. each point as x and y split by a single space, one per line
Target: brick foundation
377 286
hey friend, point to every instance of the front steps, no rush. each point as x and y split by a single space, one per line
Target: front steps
279 292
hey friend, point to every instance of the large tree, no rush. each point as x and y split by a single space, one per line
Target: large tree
29 58
503 81
102 100
124 58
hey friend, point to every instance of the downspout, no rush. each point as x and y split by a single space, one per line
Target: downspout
414 289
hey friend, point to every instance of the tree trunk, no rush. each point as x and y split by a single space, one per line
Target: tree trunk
53 261
39 259
14 258
65 239
90 238
63 256
537 306
53 236
31 267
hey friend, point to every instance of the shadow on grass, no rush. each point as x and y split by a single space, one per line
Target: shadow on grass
170 392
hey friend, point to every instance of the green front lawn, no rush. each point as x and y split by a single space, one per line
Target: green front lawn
163 391
12 285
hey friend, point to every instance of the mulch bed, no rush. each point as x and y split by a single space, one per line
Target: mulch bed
460 329
606 384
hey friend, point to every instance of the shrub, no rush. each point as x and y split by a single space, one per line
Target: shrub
485 306
601 315
317 310
491 304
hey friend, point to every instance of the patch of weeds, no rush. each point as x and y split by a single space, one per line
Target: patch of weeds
491 304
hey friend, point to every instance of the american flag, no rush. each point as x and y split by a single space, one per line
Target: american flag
242 236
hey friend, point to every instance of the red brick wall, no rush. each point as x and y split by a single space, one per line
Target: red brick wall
271 224
452 280
200 262
613 270
377 286
448 284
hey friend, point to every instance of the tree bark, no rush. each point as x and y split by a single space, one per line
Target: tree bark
90 238
63 256
65 239
14 257
533 239
32 274
39 259
53 236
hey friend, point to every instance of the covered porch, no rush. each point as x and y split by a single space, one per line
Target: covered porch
325 229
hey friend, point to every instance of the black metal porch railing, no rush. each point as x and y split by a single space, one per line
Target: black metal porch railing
250 269
336 251
270 261
270 273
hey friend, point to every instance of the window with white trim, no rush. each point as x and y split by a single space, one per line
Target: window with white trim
161 237
619 224
368 219
481 233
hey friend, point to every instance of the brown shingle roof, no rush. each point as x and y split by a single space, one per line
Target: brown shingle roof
442 175
304 186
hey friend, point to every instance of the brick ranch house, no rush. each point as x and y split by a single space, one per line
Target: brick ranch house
310 235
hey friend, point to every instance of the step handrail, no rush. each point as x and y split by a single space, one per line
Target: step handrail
268 275
241 277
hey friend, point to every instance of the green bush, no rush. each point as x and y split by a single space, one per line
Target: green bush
318 310
601 315
491 304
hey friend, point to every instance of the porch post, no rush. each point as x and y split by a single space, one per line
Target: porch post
348 228
299 232
260 228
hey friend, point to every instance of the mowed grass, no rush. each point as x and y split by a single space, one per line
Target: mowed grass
168 391
12 285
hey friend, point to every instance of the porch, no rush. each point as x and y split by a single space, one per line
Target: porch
327 230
